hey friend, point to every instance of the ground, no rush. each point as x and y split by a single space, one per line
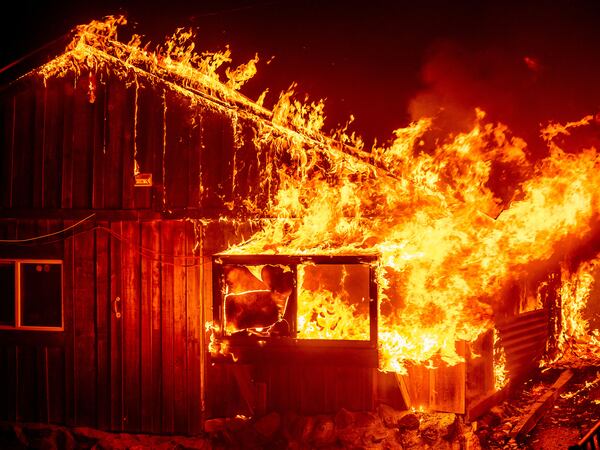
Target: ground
573 414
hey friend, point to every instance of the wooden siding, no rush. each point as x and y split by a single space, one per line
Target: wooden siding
66 147
438 389
137 372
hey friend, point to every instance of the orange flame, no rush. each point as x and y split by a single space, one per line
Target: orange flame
576 341
448 242
500 370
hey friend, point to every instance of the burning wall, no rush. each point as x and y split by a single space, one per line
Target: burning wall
454 219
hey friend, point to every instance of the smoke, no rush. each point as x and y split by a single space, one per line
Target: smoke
524 85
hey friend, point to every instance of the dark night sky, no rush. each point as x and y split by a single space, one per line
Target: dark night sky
384 62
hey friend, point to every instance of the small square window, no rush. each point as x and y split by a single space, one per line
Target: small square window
31 295
7 293
41 292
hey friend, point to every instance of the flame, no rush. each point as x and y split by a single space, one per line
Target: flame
500 370
323 314
453 219
430 217
217 347
576 342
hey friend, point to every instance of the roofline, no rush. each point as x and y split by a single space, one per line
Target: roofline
34 59
54 49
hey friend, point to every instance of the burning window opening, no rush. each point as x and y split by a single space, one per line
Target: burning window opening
288 300
256 299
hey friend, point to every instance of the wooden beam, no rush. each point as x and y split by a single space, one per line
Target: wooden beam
487 402
403 390
541 406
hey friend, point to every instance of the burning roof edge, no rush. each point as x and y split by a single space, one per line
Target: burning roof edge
75 47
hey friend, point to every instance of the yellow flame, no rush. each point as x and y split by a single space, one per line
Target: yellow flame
323 314
576 341
500 371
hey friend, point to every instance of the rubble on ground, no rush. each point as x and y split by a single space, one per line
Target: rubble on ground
385 428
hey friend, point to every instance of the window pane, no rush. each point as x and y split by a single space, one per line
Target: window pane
41 295
333 301
7 293
256 298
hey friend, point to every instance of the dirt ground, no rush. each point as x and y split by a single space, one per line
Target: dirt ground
574 413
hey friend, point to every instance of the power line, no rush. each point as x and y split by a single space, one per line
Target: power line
44 236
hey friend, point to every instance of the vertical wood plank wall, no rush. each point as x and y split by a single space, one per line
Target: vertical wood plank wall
66 150
113 373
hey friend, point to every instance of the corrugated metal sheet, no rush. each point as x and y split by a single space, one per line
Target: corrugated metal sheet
524 340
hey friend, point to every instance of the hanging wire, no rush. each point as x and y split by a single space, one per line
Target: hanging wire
147 253
44 236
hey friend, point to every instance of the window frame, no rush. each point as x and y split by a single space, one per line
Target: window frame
252 348
18 300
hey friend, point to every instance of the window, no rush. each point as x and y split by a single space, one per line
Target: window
301 297
31 295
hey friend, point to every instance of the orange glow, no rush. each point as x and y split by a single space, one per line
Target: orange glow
500 371
448 243
576 341
325 313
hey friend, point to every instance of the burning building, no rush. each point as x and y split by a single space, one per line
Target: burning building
174 251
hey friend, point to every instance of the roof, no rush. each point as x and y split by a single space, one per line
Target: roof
95 47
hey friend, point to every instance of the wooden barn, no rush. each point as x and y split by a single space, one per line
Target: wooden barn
122 181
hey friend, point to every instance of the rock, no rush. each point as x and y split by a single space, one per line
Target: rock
323 432
410 439
377 435
11 436
350 438
445 424
470 441
37 437
430 434
408 421
64 440
365 419
237 423
492 418
248 438
268 425
212 426
498 436
301 429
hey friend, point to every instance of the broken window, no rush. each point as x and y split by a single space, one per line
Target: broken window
333 301
330 298
256 297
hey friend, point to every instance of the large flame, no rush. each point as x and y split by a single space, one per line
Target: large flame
431 216
452 219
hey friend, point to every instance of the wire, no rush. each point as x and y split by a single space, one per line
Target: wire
144 252
44 236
